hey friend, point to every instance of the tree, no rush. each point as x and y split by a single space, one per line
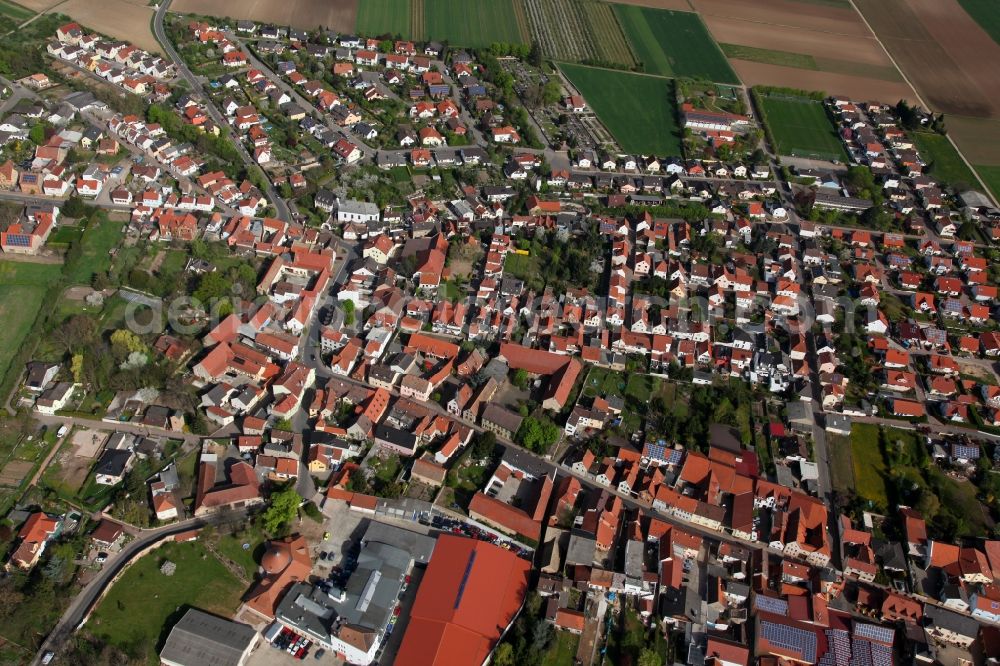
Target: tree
76 368
504 655
211 286
282 511
535 54
552 92
484 445
520 378
348 306
75 207
129 341
649 657
537 434
37 134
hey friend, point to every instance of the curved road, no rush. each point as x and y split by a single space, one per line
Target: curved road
85 601
280 205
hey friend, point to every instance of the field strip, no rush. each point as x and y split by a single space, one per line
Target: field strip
779 25
417 20
520 13
619 71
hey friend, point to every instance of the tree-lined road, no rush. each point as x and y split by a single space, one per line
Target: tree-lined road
283 211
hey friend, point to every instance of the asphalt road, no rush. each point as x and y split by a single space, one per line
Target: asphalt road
280 205
84 602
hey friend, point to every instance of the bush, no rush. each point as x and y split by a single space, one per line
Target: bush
313 511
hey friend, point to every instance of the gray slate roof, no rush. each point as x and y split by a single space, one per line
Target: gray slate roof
200 639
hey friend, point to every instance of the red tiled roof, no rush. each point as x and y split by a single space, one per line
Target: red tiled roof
470 594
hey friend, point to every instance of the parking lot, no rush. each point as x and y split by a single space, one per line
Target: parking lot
269 655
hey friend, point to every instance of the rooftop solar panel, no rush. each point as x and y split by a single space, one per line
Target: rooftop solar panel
874 632
792 639
771 605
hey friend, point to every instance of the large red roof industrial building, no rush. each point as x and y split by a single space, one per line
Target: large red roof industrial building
471 592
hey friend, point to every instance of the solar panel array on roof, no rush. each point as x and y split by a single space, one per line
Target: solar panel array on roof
675 457
771 605
839 652
874 632
792 639
18 240
935 336
965 452
656 451
867 653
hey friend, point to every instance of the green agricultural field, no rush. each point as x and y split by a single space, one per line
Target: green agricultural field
141 607
472 22
15 11
674 43
101 236
639 110
991 176
384 17
23 287
801 127
769 56
986 13
944 162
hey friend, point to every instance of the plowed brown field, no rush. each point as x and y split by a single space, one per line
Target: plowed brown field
679 5
821 18
306 14
856 48
945 54
125 19
855 87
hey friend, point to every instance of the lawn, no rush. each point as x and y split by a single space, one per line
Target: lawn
173 262
101 236
674 43
604 383
769 56
521 266
64 236
869 464
384 17
641 387
639 110
562 651
143 605
231 546
944 162
23 288
472 22
801 127
986 14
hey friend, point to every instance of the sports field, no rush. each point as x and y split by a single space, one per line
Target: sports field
384 17
22 288
674 44
472 22
637 109
801 127
945 164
